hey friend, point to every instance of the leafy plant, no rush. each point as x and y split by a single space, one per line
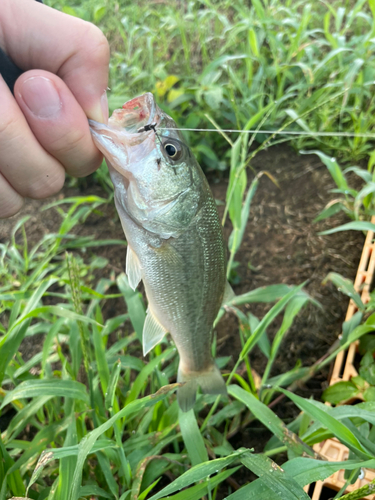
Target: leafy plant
362 386
358 204
231 61
101 419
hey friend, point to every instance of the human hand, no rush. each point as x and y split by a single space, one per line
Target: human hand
44 131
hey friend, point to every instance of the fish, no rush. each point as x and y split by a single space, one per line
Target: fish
174 235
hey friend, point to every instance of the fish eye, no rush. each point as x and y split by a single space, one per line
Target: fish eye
173 149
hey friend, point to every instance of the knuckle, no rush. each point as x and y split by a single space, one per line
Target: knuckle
7 211
67 144
75 151
96 45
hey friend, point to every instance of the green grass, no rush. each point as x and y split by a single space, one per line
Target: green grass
104 407
90 418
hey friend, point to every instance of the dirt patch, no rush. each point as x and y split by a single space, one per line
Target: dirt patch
282 245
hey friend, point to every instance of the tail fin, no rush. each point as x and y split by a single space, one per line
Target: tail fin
210 381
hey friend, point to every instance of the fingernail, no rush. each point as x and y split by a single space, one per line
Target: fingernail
104 106
41 97
99 112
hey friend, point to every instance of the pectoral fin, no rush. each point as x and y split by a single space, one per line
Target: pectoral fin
133 268
228 294
153 332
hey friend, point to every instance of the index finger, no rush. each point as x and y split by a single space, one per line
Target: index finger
38 37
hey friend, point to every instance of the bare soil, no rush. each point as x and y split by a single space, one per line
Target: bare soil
282 245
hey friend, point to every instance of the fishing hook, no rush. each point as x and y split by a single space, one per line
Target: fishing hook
147 128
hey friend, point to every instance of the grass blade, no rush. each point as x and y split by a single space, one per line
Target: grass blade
350 226
306 470
291 311
337 428
112 385
47 387
267 320
142 378
262 294
198 473
283 485
67 464
12 478
192 437
60 311
345 286
270 420
197 492
333 168
89 440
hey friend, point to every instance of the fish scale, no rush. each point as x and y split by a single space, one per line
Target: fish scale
186 293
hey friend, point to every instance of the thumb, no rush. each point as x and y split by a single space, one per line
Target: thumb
38 37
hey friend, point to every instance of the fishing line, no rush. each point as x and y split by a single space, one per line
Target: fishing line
274 132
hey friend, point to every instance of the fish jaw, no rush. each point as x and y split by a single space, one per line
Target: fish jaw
123 150
119 141
136 113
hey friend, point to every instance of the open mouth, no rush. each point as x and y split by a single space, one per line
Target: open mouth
125 125
134 114
127 139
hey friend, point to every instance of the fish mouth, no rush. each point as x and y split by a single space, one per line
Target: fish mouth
136 113
120 140
132 118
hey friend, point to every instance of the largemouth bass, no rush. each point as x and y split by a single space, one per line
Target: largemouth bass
175 239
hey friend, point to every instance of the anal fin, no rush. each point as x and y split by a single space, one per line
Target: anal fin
153 332
133 268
